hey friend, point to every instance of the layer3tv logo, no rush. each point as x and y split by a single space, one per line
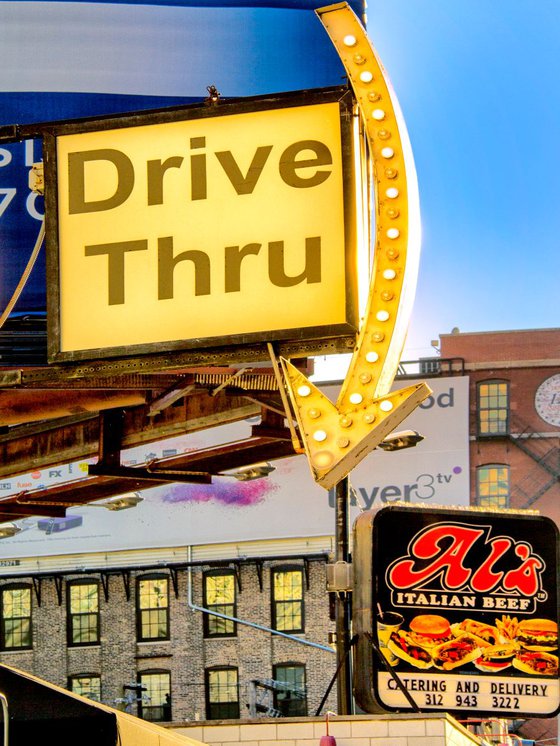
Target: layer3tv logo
425 487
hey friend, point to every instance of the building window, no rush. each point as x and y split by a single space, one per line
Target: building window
492 483
155 702
287 599
153 608
222 694
290 698
87 685
83 613
493 408
15 629
219 595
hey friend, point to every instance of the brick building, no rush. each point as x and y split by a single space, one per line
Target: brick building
514 424
104 631
514 416
127 627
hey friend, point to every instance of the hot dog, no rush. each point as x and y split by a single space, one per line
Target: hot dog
463 649
403 646
536 663
485 633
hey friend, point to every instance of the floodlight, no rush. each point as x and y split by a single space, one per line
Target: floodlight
247 473
400 440
120 502
9 529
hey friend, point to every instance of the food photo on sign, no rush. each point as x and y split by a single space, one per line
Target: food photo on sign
432 641
462 607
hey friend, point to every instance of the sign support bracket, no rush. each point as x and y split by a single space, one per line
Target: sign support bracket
298 447
394 675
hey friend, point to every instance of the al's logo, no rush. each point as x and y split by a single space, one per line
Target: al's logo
459 557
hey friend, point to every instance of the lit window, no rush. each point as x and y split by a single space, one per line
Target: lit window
222 694
290 698
83 613
16 618
493 408
153 608
287 599
219 595
155 702
492 483
86 685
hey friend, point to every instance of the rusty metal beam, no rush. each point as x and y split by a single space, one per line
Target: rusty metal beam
38 446
212 460
27 406
176 361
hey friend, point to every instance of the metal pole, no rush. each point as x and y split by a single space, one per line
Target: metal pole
342 554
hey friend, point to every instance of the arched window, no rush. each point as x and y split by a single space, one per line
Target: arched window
152 607
492 486
83 612
287 598
155 702
220 596
86 684
15 622
222 693
290 693
493 408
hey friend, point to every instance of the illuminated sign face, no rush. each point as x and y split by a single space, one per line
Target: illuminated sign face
208 224
464 608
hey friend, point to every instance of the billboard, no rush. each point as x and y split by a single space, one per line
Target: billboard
286 504
101 58
462 608
221 224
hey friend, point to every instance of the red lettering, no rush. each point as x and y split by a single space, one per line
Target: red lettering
484 579
525 578
447 562
442 551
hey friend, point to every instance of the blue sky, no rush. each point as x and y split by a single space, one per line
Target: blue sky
476 79
478 84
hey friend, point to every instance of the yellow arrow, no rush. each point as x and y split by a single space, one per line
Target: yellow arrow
337 437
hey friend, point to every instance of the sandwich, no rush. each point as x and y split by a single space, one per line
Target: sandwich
456 653
403 646
485 633
537 634
536 663
430 630
495 658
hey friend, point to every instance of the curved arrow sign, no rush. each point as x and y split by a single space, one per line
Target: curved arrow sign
337 437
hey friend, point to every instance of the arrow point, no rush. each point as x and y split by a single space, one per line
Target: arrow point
337 440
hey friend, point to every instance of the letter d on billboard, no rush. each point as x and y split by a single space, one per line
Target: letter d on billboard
456 611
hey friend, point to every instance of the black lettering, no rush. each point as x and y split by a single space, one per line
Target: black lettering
233 258
115 254
288 165
244 184
155 171
167 263
311 271
77 202
199 186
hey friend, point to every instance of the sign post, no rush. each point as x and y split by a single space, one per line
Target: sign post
343 602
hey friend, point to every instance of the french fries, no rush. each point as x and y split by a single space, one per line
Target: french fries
507 627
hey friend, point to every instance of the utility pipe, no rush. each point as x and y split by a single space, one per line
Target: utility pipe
254 625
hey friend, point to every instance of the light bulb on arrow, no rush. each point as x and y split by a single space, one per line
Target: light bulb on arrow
337 437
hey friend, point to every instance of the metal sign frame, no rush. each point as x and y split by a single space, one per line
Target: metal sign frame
235 343
482 573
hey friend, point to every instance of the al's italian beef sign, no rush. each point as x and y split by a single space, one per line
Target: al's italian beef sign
463 609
